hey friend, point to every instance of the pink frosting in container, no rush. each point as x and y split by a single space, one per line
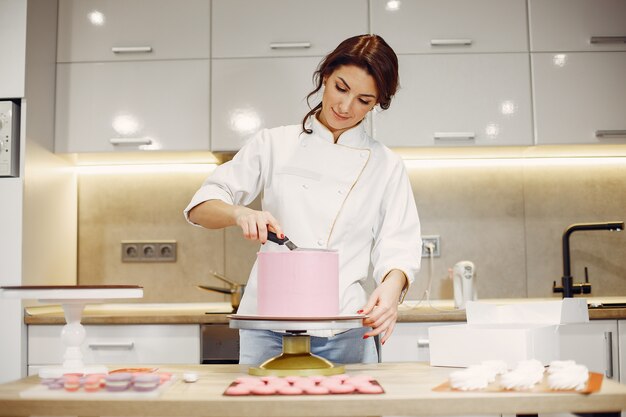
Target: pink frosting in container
298 283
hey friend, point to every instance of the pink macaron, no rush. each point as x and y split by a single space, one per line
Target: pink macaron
239 389
249 380
92 383
316 390
263 390
290 390
119 381
370 389
341 389
71 382
146 382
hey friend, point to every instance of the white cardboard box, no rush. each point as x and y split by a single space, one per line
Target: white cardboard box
511 332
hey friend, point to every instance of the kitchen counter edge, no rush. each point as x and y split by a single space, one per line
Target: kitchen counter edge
421 315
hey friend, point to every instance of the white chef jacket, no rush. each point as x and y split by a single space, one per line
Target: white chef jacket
353 196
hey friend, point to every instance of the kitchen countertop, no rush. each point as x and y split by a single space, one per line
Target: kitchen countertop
207 313
408 391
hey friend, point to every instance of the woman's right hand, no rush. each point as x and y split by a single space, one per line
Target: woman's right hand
255 223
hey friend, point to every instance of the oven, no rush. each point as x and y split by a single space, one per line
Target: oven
219 344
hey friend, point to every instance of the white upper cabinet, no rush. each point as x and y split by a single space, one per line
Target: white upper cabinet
253 28
13 35
577 25
451 26
459 100
579 97
104 30
133 75
252 94
130 106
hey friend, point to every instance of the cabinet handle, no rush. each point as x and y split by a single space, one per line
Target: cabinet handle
450 42
112 345
443 136
607 39
130 141
290 45
131 49
610 133
608 344
423 343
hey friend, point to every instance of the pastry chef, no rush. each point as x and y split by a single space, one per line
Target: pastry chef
327 184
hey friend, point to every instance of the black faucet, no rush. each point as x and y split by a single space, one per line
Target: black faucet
568 287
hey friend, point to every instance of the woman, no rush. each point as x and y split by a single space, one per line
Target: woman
328 185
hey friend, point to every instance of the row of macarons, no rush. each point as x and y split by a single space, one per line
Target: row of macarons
113 382
302 385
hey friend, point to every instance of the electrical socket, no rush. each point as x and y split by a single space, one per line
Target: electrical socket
149 251
434 240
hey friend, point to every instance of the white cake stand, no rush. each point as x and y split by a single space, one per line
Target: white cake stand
73 299
296 357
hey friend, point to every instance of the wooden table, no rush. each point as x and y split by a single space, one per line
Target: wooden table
408 392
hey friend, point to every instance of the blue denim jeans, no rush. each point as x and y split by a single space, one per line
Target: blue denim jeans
256 346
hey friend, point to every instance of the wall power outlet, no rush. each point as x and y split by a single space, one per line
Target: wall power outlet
433 240
149 251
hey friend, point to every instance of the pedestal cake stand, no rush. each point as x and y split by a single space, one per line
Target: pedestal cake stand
296 358
73 299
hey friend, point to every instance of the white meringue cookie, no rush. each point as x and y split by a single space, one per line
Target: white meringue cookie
570 377
469 379
521 379
558 365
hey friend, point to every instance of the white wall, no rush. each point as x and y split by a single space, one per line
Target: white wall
38 209
12 348
49 228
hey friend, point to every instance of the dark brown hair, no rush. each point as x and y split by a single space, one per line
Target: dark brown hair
369 52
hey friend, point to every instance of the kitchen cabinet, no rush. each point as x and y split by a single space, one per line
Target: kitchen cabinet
409 342
130 106
621 356
577 25
13 34
459 100
102 30
593 344
252 28
117 344
129 80
261 81
451 26
578 61
579 97
269 92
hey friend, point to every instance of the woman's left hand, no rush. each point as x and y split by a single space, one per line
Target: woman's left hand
382 306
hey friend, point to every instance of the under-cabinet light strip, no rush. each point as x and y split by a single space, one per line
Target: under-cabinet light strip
513 162
144 169
409 163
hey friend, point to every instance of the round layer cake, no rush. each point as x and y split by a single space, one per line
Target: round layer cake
298 283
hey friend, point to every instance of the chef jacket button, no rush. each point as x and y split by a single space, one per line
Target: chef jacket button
305 186
320 242
340 191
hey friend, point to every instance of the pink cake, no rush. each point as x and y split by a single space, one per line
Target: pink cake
298 283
